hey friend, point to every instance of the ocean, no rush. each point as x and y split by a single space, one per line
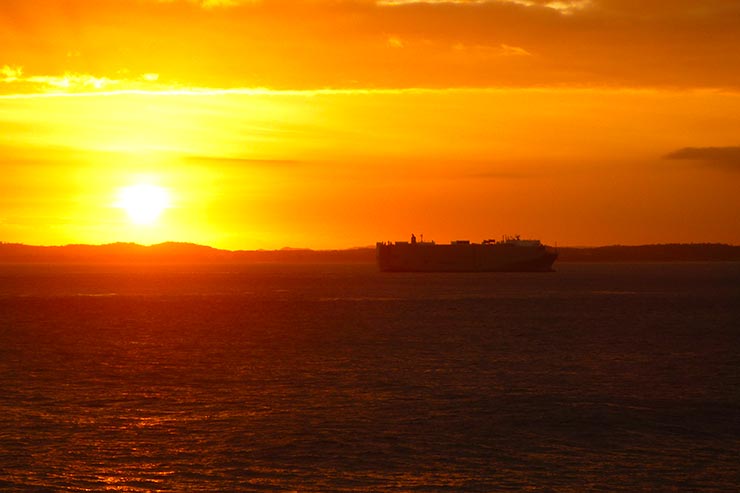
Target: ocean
338 378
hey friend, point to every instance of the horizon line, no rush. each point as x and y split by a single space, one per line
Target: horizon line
284 248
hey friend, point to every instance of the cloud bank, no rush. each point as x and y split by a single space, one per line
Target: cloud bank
309 44
725 157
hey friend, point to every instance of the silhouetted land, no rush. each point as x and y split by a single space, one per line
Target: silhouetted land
176 253
672 252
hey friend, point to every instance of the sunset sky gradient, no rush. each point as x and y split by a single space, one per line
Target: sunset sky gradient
332 124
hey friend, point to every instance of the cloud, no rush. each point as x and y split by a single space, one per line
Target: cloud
70 81
10 74
394 42
725 157
17 83
208 4
242 162
502 50
497 175
562 6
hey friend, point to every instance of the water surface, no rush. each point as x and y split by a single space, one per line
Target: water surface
598 377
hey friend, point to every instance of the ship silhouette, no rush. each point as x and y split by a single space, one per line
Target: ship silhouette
511 254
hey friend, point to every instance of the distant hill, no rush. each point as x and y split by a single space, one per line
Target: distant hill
179 253
673 252
173 253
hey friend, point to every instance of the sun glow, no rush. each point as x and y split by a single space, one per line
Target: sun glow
143 203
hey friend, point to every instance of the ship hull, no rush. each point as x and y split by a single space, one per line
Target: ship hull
429 257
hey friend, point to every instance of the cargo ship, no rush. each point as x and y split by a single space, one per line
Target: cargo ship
511 254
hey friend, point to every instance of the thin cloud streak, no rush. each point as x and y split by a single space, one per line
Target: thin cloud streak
563 6
240 161
264 91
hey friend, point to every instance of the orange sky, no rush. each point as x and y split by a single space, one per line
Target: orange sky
332 124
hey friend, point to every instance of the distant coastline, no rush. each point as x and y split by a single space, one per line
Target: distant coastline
181 253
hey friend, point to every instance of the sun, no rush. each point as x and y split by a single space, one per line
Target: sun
143 203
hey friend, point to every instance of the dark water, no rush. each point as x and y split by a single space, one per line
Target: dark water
338 378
